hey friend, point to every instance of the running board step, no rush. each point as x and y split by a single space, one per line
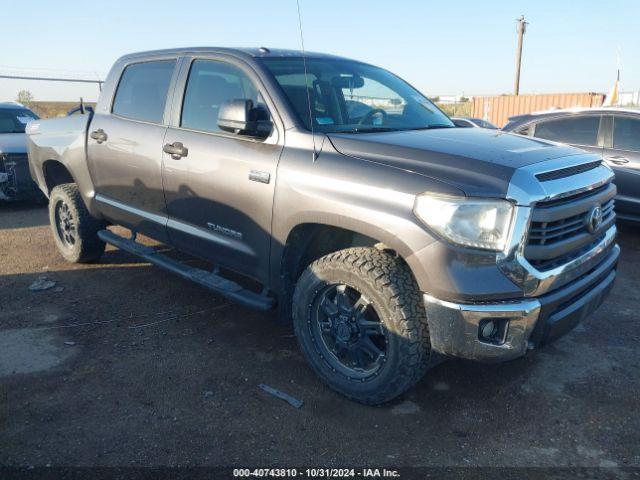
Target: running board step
207 279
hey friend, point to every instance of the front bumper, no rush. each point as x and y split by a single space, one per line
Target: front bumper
15 178
456 329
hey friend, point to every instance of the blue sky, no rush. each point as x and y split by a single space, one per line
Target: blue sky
443 48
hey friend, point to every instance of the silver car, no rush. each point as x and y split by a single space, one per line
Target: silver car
613 133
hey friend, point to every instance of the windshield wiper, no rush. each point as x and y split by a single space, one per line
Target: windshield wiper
370 130
432 127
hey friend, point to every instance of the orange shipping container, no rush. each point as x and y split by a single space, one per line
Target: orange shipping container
498 109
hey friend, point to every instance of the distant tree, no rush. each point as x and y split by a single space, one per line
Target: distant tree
25 97
434 99
464 99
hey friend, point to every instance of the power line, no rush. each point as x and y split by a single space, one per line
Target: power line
53 79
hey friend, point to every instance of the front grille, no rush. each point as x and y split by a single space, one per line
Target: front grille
559 230
547 233
568 171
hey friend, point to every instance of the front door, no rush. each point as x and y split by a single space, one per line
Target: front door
124 149
219 193
623 155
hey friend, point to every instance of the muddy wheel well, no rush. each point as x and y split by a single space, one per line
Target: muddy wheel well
309 242
55 173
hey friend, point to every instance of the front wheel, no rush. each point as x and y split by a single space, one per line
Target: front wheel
361 324
75 231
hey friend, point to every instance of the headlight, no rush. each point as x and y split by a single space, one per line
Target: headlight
471 222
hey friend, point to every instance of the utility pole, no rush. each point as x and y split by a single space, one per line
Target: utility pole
522 28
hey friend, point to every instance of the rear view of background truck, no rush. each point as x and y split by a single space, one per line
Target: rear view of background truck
345 198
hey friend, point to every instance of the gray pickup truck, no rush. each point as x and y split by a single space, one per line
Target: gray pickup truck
334 191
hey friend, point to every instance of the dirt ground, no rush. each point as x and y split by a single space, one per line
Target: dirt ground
123 364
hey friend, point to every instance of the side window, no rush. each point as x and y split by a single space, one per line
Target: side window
209 85
626 133
575 130
142 91
300 90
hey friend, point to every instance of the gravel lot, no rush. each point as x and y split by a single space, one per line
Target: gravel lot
123 364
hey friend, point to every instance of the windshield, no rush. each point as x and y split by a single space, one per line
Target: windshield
13 120
348 96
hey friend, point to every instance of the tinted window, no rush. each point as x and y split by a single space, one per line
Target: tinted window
210 84
13 120
576 130
626 133
142 92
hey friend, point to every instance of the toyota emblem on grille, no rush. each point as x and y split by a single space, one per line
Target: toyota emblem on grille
594 218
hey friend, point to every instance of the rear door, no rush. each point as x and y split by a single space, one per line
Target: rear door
585 131
622 153
125 147
220 194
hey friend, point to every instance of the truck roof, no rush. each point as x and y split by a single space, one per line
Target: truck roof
252 52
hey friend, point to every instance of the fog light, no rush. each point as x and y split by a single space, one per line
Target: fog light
493 330
489 329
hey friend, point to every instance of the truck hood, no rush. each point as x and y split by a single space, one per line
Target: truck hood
13 143
480 162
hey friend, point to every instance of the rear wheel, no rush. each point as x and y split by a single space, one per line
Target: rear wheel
75 231
361 324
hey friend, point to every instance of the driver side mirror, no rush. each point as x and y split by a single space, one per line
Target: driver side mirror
239 116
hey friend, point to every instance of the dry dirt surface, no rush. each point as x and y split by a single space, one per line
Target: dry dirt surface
122 364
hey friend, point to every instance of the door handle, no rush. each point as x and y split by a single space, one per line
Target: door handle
617 159
99 135
176 150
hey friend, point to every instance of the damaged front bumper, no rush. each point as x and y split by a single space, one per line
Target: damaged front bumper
15 179
4 186
456 329
504 331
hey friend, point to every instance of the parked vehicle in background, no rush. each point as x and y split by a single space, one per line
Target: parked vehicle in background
613 133
15 180
388 236
467 122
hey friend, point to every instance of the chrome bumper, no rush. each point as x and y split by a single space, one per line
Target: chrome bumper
454 328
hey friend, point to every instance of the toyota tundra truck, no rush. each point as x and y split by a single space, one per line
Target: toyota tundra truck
334 191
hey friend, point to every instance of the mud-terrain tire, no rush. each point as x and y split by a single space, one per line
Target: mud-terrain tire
329 340
74 230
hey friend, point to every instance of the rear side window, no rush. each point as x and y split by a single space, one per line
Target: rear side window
142 91
575 130
626 133
210 84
